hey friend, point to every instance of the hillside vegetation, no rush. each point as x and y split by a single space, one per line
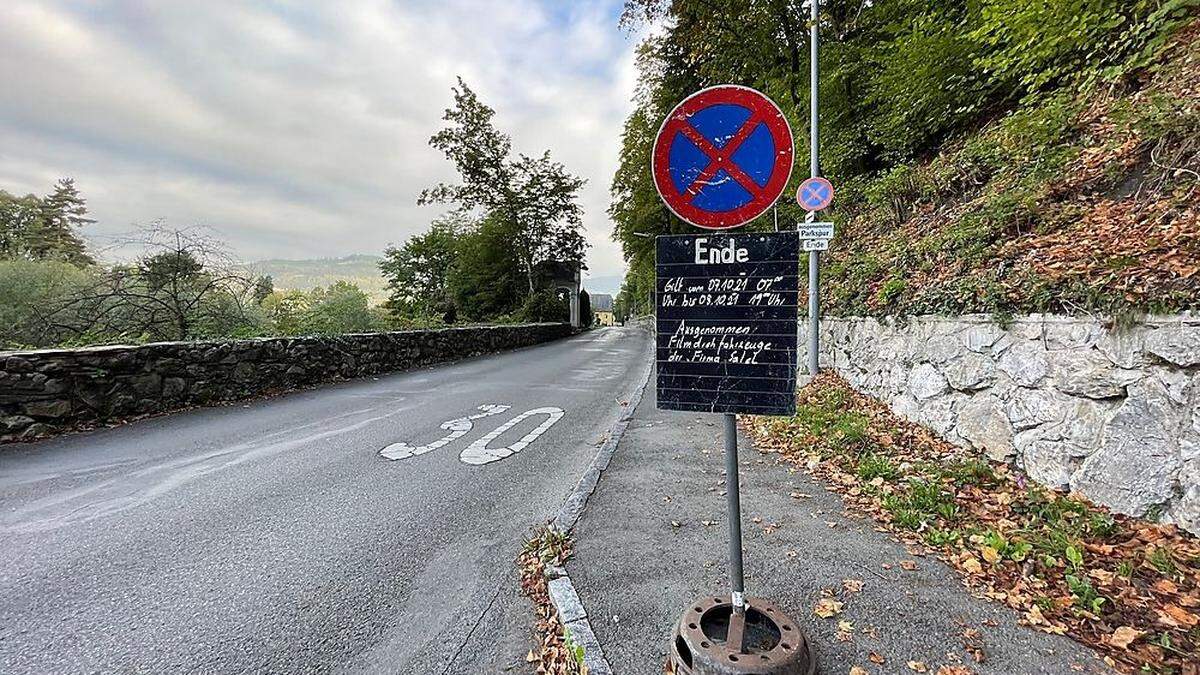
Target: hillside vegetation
989 156
1072 203
305 275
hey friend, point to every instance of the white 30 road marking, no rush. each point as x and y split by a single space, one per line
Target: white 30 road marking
457 428
479 452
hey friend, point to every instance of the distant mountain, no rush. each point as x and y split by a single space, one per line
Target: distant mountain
363 271
605 284
303 275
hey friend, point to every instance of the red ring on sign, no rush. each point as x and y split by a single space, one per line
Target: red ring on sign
762 110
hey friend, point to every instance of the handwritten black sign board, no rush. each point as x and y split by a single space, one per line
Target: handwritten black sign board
726 322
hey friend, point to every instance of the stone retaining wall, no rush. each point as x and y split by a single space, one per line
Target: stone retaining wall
50 391
1110 412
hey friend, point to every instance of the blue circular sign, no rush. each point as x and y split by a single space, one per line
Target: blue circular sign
815 194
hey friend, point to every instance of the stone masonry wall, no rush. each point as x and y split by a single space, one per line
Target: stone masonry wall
48 391
1112 413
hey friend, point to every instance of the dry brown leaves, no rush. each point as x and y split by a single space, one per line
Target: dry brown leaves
1150 618
551 656
1138 249
1121 219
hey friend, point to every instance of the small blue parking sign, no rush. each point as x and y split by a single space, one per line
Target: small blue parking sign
815 194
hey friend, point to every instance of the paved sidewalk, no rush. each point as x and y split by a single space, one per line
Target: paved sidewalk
635 571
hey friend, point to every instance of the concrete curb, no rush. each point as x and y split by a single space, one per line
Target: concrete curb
571 612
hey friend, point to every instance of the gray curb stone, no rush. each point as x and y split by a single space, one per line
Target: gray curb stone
562 592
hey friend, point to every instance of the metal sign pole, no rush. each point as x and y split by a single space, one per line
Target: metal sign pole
814 257
734 505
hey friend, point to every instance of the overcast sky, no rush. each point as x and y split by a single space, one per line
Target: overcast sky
299 128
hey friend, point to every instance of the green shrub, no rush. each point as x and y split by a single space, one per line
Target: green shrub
544 306
1032 44
29 291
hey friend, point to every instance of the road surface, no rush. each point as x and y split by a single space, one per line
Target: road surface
273 536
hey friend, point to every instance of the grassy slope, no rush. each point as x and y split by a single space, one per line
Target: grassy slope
1073 203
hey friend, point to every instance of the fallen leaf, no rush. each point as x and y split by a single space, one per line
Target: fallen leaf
918 666
856 670
1034 616
910 565
990 554
876 658
954 670
827 607
852 585
1123 636
846 626
971 565
1174 615
1166 586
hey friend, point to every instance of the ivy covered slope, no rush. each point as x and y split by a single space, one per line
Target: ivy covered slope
1080 200
997 156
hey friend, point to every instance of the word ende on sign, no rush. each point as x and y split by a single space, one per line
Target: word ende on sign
815 231
816 244
726 322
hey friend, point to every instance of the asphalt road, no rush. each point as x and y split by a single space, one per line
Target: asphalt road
272 536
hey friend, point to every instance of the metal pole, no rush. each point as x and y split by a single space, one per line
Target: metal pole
734 505
814 257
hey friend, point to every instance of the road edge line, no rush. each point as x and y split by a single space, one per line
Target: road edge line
566 601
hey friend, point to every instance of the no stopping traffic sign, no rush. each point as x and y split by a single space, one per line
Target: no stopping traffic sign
815 194
722 157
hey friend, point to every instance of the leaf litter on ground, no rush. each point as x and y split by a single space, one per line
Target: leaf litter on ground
1128 588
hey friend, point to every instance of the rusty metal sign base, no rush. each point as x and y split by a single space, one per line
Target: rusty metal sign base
713 640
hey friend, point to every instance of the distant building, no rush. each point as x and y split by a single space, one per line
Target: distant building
602 307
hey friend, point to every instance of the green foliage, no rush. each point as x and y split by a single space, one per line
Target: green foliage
1084 594
535 198
341 308
515 215
544 306
45 228
486 280
1014 549
841 430
992 83
1034 44
970 471
28 289
873 465
418 273
1162 560
921 503
927 84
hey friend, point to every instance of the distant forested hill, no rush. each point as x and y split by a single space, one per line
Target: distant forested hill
361 270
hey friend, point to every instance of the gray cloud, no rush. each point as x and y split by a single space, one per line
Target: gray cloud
299 129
